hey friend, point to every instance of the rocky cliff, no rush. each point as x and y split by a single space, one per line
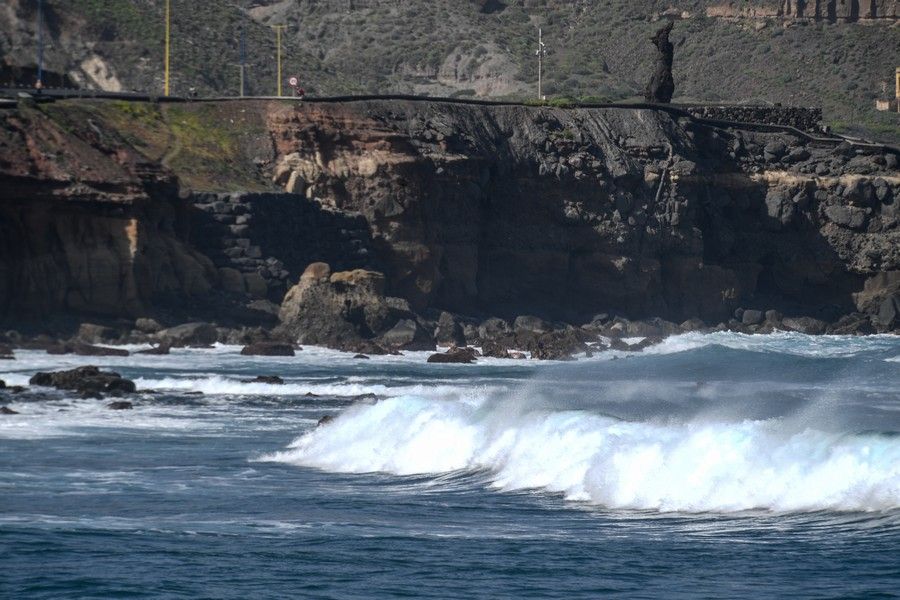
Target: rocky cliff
473 209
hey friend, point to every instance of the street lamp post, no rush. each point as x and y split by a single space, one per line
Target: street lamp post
40 74
541 51
168 40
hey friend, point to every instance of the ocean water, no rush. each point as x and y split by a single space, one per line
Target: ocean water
716 465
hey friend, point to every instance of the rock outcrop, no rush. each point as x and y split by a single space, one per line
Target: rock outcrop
87 381
662 83
344 308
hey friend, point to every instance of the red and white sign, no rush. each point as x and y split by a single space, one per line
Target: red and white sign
293 81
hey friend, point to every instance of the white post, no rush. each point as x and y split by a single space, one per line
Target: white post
540 63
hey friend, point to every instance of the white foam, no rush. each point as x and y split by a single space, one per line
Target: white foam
690 467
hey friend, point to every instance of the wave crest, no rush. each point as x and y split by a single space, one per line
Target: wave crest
685 467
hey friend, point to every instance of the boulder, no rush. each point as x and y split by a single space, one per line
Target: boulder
888 317
365 347
449 332
324 421
232 280
268 349
531 323
407 335
850 217
267 379
85 380
340 309
560 345
5 410
159 350
493 328
494 349
189 334
146 325
96 334
6 353
2 384
361 357
852 324
752 317
120 405
454 355
806 325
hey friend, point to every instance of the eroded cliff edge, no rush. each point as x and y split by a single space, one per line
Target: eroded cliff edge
214 210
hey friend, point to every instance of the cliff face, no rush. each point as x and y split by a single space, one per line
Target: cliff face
492 210
87 224
514 210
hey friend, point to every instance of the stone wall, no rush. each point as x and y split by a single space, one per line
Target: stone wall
807 119
262 242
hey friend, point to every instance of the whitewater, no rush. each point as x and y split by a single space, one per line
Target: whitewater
709 465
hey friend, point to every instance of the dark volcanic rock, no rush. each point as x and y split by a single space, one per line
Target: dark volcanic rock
560 345
160 350
120 405
6 353
449 331
807 325
454 355
407 334
494 349
91 333
269 379
325 421
189 334
4 410
85 380
662 84
888 316
268 349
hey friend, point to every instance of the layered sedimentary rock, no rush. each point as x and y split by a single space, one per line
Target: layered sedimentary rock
88 225
472 209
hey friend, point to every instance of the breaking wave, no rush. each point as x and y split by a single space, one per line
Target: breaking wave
693 466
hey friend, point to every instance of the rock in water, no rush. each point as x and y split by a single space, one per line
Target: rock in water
189 334
161 350
7 411
6 353
662 84
86 381
268 379
120 405
454 355
268 349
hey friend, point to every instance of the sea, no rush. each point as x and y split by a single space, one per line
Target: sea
710 466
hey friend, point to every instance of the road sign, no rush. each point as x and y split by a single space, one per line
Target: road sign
293 81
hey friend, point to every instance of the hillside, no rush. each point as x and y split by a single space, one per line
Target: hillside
829 53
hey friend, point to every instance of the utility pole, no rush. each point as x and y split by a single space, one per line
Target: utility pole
168 40
243 63
40 74
541 51
278 29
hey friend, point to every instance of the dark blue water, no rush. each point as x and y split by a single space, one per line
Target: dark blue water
718 466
